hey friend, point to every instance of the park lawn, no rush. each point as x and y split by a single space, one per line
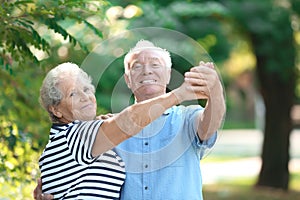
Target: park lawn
244 189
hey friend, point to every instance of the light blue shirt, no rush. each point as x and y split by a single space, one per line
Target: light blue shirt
163 160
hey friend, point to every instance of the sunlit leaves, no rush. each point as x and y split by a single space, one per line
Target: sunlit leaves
23 131
29 33
21 19
192 9
18 162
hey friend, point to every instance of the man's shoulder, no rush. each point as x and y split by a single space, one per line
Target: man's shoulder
184 108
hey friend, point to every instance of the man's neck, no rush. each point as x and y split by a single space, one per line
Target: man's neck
146 97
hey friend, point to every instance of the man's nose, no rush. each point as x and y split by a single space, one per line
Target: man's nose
147 69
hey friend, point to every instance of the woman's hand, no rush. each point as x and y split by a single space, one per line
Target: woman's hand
104 117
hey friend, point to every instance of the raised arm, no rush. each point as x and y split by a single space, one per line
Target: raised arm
205 80
134 118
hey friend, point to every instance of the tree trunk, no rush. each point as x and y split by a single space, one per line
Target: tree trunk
278 96
267 24
273 43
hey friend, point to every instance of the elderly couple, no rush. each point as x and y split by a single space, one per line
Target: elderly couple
89 157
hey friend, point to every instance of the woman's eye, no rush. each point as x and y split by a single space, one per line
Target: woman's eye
72 94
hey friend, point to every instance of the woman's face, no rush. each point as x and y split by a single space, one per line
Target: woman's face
78 102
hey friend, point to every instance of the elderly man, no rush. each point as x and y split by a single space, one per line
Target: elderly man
163 160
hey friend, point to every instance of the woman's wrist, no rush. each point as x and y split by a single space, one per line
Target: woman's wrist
178 95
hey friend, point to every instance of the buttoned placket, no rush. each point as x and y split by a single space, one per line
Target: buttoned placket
146 166
147 148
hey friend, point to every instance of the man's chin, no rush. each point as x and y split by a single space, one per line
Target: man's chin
150 89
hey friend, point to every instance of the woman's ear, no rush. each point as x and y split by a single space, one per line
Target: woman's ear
55 111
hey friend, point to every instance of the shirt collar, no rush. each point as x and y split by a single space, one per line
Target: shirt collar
168 111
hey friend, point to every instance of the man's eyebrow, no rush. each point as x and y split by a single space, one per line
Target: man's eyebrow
134 62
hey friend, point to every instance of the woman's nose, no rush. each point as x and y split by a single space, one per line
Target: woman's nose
83 96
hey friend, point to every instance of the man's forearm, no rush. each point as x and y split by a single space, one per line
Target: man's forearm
212 116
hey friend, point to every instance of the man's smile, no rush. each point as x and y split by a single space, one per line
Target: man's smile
148 81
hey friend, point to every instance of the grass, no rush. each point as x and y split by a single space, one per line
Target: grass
227 187
235 124
234 191
244 189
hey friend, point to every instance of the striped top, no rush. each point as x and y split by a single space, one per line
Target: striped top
68 169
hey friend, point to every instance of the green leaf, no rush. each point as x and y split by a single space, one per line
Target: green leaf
96 31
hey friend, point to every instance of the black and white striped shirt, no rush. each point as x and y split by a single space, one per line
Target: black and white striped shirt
68 169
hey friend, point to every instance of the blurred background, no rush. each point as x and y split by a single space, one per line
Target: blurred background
254 44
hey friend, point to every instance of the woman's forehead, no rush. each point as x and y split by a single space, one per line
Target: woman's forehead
69 80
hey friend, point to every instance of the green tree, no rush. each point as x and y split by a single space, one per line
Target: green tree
27 29
267 27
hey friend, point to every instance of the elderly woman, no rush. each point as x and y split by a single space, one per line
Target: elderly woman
79 161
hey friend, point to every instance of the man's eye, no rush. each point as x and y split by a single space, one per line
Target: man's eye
86 89
156 65
137 66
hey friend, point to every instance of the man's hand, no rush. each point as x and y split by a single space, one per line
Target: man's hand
204 80
37 192
201 82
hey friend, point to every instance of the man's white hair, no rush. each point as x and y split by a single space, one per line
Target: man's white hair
143 45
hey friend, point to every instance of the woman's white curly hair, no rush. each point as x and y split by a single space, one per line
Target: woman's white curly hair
50 94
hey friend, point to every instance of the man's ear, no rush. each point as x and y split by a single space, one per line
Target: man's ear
169 75
127 80
55 111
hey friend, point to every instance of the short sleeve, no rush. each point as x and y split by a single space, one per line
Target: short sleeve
81 139
202 146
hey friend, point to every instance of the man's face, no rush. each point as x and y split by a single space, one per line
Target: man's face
147 75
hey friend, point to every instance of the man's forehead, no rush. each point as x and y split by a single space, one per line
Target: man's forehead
147 54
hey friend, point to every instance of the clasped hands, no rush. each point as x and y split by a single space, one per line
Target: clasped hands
201 82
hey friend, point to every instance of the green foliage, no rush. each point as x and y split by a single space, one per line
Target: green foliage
21 19
23 131
18 161
200 21
295 4
269 28
193 9
267 24
26 27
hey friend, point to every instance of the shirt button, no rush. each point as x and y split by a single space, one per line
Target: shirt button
146 187
146 166
146 143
